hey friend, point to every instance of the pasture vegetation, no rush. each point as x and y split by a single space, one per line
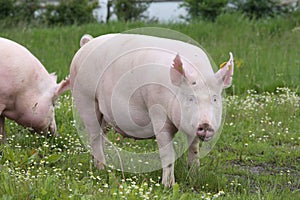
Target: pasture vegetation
256 157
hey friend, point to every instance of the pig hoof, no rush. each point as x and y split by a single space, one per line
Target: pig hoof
193 163
100 165
3 140
168 182
56 134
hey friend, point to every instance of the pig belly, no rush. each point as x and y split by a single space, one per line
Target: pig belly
136 134
135 125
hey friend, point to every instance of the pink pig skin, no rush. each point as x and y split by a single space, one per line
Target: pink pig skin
27 90
147 87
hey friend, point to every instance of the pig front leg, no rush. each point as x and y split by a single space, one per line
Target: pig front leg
2 132
167 156
193 154
2 121
164 133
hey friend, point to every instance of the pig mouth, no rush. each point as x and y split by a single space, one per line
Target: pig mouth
205 132
50 129
205 139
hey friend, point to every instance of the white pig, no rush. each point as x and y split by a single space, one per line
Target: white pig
27 90
147 87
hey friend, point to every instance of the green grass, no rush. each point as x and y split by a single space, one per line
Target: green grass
256 157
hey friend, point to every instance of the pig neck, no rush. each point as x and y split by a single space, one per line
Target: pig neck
174 109
28 101
167 101
23 104
158 99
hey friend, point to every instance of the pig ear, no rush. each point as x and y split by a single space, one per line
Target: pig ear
177 71
62 87
225 72
85 39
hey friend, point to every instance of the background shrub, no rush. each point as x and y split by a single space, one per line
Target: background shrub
16 11
205 9
130 10
261 8
69 12
210 9
6 8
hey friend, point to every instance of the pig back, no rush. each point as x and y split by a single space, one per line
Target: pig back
119 53
23 79
21 70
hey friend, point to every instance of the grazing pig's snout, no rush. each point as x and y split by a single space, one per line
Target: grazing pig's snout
205 132
51 128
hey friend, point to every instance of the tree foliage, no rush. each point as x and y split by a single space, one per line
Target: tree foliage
81 11
18 10
210 9
205 9
65 13
261 8
69 12
130 10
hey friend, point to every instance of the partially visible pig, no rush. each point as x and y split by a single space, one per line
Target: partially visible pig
27 90
148 87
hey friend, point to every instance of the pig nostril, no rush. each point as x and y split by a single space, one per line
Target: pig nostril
201 133
204 130
204 127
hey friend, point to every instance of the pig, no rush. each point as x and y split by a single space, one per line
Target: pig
27 90
148 87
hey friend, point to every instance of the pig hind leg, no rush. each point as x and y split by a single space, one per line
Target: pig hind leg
91 117
99 157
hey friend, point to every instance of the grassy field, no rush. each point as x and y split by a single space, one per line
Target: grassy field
256 157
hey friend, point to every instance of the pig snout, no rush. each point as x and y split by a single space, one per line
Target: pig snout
205 132
51 129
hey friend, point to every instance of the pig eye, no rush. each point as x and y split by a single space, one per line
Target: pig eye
191 99
194 83
214 98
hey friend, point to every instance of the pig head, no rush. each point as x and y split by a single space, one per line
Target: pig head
199 98
148 87
27 90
